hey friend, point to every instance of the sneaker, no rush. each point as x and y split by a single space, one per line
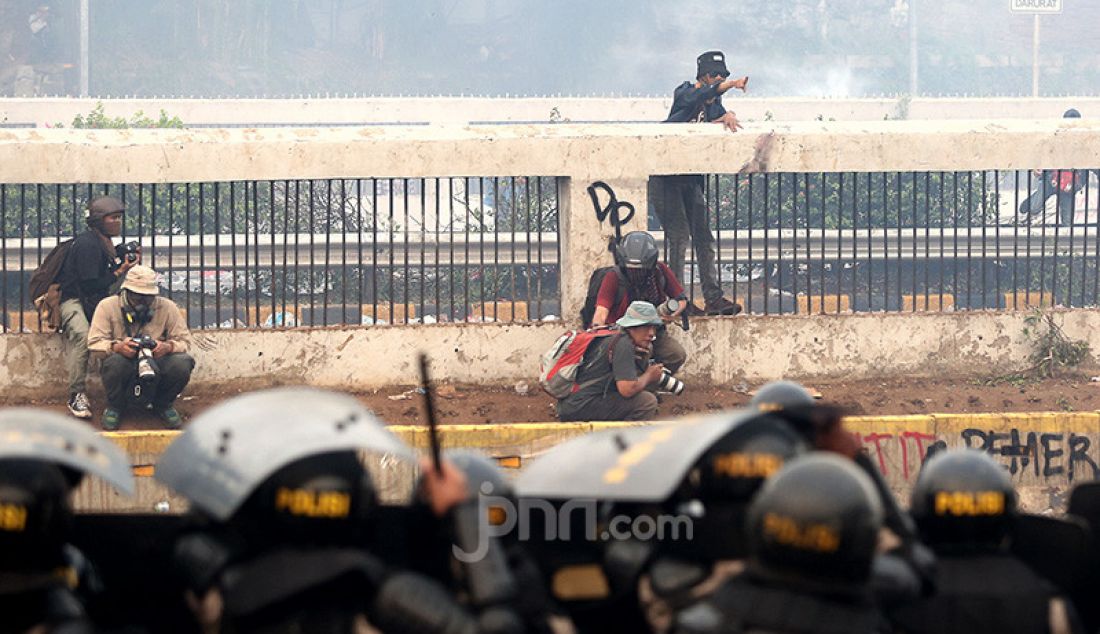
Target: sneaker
172 417
78 405
112 419
722 306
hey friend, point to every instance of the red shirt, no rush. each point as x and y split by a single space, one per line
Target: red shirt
609 288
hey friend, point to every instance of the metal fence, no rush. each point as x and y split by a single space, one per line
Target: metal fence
911 241
374 251
313 253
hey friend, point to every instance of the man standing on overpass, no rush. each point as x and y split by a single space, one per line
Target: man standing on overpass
678 199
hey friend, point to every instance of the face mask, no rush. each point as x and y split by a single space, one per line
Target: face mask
137 312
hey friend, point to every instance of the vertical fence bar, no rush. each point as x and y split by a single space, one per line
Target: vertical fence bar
1043 242
717 200
467 313
247 256
255 250
1095 238
997 242
538 220
736 232
1072 217
527 231
767 242
451 244
985 223
4 256
22 254
374 247
438 279
870 246
752 254
343 253
423 245
1015 240
233 249
839 239
496 248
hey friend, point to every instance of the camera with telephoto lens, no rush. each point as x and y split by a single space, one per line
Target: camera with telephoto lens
128 251
146 366
669 383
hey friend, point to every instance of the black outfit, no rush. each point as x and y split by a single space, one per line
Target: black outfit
120 374
983 593
88 271
678 199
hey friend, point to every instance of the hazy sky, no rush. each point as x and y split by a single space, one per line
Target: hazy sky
586 47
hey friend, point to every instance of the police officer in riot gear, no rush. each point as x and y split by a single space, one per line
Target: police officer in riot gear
906 569
964 504
490 570
43 579
717 491
283 507
813 530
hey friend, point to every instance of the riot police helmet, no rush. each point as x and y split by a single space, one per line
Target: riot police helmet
482 473
963 500
814 526
781 395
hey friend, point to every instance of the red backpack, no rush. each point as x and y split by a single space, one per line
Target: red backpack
562 362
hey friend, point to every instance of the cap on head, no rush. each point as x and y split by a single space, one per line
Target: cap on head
639 314
963 500
712 63
1072 113
141 280
814 526
101 207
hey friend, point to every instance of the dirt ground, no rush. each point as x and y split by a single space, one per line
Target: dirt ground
473 404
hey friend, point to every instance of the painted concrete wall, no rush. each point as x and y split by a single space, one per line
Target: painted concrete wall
721 351
373 110
1044 453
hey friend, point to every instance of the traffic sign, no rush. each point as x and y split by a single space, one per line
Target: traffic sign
1036 6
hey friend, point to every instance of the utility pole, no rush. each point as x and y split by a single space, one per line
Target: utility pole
84 46
1035 59
914 59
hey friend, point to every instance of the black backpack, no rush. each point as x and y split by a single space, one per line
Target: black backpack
596 280
47 272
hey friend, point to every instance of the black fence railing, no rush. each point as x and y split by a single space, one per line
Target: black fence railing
314 252
834 242
374 251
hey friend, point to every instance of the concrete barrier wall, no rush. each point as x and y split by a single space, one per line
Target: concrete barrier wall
720 351
1045 453
382 110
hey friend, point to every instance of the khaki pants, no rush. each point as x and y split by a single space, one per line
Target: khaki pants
668 351
74 332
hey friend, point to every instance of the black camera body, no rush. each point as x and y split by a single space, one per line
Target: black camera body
128 251
145 387
145 341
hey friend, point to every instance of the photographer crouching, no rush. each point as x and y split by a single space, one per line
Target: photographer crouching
146 342
617 372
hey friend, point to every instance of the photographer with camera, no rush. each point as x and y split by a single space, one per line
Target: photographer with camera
616 371
91 270
146 341
638 276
